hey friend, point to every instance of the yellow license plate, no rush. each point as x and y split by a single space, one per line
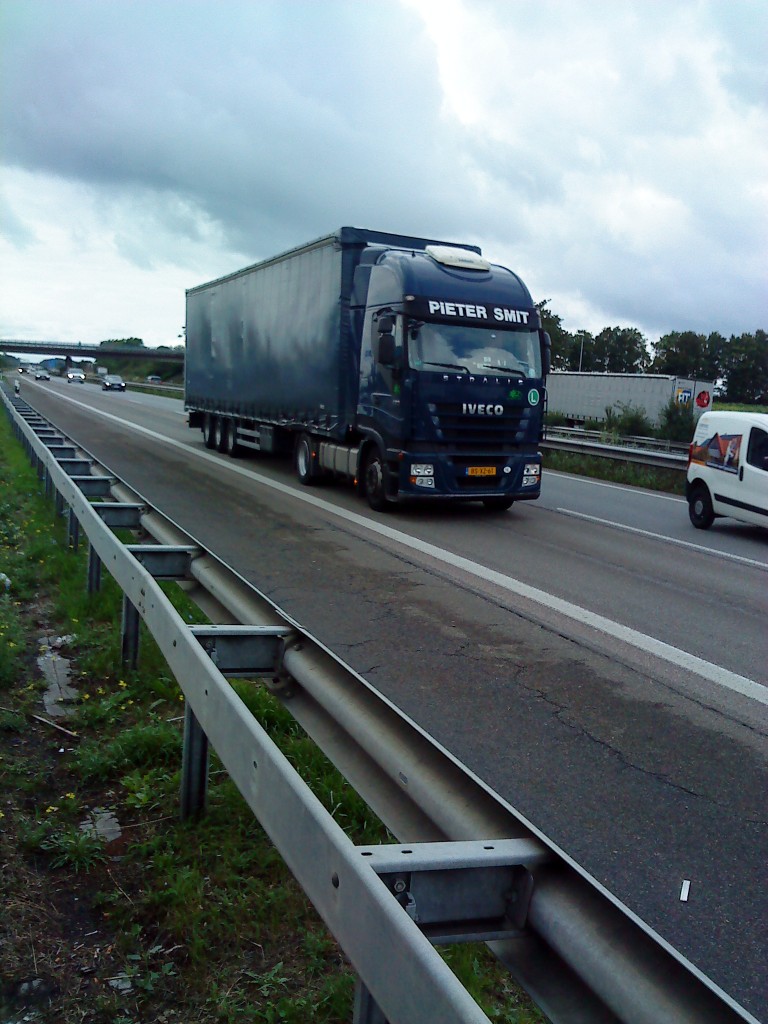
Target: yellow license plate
481 471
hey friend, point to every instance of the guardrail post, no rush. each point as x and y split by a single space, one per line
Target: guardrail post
366 1010
58 504
194 767
74 530
130 635
94 571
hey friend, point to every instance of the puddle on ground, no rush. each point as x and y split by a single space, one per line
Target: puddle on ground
55 670
121 982
58 699
103 824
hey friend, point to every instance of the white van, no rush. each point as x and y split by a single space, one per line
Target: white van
728 468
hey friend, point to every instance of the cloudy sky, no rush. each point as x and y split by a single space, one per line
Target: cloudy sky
612 152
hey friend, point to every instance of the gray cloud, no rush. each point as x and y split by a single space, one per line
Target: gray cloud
614 151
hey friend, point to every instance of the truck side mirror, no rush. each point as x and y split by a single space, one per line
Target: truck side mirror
546 353
387 349
385 325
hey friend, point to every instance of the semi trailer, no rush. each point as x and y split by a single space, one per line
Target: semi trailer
589 396
415 368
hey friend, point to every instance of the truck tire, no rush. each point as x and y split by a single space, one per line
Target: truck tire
220 434
700 509
306 470
232 448
375 478
209 431
498 503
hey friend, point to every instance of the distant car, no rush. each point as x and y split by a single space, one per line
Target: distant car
75 377
113 383
42 375
154 379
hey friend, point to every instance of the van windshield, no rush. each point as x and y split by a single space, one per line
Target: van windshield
433 346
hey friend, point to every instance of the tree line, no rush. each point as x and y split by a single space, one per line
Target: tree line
738 365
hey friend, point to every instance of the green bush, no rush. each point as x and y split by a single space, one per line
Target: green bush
628 420
676 423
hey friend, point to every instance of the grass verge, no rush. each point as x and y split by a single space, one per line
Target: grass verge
162 921
652 478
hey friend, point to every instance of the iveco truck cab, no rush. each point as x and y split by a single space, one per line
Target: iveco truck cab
453 361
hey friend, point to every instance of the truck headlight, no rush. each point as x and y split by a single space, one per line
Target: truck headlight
422 469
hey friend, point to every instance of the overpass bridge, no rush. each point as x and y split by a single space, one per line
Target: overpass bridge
76 349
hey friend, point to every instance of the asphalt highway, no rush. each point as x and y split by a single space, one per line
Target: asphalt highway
593 658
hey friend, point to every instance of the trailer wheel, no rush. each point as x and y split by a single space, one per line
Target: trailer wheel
209 430
700 509
498 504
376 482
306 470
232 448
221 433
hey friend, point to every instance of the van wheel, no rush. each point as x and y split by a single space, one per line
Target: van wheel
305 463
209 431
700 509
376 482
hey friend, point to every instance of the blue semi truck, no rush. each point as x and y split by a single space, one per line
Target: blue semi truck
411 366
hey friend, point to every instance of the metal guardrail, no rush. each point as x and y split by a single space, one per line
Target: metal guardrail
174 389
623 441
472 869
642 451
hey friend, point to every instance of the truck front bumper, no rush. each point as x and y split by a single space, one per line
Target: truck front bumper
467 477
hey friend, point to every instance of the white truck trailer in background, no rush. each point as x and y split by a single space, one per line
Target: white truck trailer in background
587 396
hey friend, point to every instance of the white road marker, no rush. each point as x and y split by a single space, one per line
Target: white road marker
685 890
667 540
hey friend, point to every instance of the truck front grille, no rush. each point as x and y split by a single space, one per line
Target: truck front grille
475 433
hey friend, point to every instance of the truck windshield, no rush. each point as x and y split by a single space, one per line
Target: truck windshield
474 349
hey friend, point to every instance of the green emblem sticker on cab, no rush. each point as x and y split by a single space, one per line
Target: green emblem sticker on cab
533 396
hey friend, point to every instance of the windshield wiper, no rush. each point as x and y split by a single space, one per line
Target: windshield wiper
504 369
448 366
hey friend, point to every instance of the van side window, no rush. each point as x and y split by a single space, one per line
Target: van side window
757 452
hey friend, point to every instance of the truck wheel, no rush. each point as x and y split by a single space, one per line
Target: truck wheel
376 482
305 464
209 431
499 504
232 448
221 434
700 509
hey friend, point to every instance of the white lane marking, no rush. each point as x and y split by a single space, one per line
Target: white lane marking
668 540
634 638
